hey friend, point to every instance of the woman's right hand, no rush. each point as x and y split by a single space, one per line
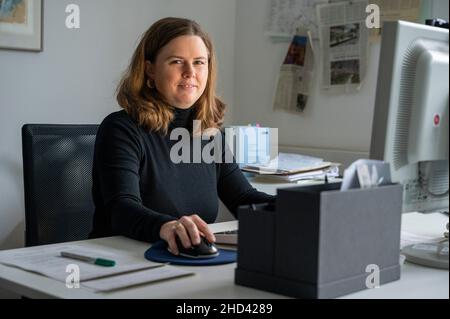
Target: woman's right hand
188 229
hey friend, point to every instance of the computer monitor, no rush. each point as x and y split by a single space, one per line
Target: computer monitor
410 125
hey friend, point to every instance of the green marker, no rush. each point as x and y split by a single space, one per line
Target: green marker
96 261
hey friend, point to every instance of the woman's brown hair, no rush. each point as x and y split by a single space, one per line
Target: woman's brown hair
144 104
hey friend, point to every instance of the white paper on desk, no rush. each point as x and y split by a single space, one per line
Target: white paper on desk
136 278
408 239
351 180
46 260
286 163
332 171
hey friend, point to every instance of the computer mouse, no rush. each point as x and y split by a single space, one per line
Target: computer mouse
203 250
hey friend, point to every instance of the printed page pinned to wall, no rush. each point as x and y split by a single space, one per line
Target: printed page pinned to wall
344 42
286 16
296 74
394 10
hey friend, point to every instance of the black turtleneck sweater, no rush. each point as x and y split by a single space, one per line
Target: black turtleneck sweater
137 188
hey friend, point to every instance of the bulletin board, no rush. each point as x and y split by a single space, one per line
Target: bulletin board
333 32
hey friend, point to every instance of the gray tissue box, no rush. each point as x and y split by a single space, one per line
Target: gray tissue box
318 241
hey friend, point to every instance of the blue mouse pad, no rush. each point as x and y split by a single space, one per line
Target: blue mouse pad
159 253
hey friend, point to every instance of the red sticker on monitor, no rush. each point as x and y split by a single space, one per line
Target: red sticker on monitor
437 120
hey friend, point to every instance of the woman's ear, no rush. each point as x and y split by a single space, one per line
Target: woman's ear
149 70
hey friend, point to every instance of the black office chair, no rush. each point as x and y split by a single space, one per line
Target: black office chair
57 171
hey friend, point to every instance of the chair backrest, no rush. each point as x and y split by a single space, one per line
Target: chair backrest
57 170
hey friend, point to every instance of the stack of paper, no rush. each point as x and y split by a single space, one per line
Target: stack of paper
294 167
128 271
136 278
329 172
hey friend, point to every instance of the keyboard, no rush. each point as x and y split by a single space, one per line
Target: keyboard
228 237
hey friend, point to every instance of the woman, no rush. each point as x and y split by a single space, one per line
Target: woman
138 190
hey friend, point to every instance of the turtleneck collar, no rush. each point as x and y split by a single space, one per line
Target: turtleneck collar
182 118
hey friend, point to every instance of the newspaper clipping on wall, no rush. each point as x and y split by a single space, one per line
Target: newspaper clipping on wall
344 41
296 74
285 16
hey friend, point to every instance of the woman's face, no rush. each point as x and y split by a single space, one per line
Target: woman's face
180 72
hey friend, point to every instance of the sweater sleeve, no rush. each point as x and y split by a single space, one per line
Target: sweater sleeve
233 187
118 153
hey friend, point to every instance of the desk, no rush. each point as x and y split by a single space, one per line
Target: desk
208 282
218 281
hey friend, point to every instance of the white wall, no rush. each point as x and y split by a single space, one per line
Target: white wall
74 78
337 127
